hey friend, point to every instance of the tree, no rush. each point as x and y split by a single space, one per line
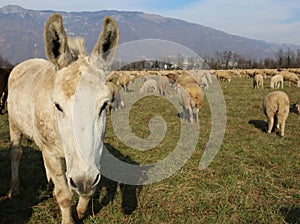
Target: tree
4 63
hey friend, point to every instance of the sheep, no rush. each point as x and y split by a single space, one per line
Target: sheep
183 80
190 97
290 77
222 75
204 82
116 103
276 81
150 84
144 75
250 73
258 81
276 107
123 81
163 84
207 74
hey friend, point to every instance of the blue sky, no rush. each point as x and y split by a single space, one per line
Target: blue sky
269 20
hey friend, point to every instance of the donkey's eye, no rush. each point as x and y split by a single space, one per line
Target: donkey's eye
58 107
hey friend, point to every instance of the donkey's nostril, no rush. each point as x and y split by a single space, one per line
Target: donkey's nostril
98 177
72 183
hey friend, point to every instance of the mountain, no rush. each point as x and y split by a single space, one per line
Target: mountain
22 33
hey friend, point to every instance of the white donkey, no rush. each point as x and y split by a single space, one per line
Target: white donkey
60 104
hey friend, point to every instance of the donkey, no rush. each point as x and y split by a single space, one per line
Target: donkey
60 104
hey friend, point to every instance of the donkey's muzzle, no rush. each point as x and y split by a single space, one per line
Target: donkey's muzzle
84 186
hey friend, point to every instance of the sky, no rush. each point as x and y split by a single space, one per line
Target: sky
275 21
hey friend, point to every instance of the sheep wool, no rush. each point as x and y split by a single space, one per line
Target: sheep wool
276 107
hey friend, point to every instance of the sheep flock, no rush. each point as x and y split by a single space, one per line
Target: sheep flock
190 86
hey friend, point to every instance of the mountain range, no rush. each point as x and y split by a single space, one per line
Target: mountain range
22 33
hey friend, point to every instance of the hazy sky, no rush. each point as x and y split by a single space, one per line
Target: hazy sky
269 20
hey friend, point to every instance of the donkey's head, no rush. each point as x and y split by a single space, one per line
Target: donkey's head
80 97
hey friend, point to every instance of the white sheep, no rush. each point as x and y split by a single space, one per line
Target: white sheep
276 81
163 84
204 82
290 77
149 85
207 74
276 107
258 80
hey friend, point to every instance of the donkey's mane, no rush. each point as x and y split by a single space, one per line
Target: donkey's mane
77 46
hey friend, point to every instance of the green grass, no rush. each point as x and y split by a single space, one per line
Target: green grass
255 177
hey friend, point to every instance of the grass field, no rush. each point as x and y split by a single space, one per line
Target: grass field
254 178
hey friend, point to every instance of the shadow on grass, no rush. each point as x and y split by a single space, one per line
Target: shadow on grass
181 116
129 193
33 185
259 124
293 109
291 215
32 182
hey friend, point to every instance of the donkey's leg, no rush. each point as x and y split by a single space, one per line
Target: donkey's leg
16 153
62 193
82 206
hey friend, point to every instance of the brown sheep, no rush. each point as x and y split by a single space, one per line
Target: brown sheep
276 107
124 81
190 96
116 102
222 75
186 79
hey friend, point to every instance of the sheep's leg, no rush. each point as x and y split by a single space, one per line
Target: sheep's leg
270 123
197 114
16 153
62 193
184 113
191 115
277 126
125 88
282 129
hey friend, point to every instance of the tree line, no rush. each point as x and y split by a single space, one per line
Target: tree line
220 60
230 60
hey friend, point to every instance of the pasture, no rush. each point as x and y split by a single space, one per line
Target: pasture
254 178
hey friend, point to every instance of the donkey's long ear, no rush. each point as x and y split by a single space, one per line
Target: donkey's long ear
106 47
56 43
